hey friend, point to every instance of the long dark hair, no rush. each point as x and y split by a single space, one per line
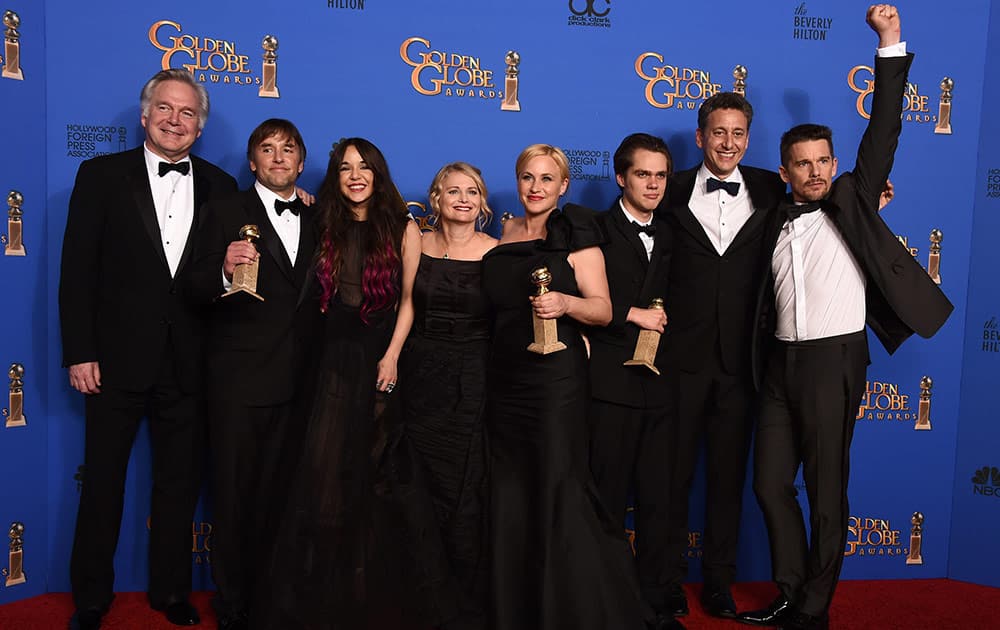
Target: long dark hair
386 217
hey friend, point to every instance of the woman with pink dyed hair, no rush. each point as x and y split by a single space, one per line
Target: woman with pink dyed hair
322 573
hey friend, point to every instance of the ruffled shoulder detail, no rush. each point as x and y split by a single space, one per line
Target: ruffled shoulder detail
572 228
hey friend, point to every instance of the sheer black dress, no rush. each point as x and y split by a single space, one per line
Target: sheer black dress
330 567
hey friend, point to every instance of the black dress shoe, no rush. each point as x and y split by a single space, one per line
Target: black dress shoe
665 622
802 621
719 603
775 614
677 602
180 613
89 619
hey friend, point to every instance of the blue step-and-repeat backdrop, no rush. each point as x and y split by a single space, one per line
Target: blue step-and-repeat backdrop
429 82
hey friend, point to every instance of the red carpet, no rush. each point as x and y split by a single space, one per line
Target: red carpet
859 605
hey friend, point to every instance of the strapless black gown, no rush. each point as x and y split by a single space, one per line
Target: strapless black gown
558 558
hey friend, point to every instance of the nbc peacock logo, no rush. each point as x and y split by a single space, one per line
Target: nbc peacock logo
986 482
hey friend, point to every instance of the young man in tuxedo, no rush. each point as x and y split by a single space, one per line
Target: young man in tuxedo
832 264
717 213
132 341
256 357
629 410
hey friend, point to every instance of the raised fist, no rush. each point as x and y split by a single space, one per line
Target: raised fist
884 20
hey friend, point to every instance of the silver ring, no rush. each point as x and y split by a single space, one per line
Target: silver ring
389 388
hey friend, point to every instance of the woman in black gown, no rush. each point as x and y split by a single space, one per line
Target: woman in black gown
443 383
323 574
558 559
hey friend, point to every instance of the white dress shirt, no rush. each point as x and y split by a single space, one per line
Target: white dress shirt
173 198
287 225
819 288
720 214
646 239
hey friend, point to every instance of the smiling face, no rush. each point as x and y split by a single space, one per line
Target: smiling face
645 182
277 162
357 180
540 184
171 121
459 200
809 170
723 140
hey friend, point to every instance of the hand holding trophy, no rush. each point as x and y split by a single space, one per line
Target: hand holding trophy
245 274
546 333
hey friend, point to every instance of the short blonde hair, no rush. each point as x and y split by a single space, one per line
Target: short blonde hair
535 150
434 192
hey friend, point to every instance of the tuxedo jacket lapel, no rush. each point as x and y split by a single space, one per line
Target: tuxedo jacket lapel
137 181
307 245
683 185
270 242
622 223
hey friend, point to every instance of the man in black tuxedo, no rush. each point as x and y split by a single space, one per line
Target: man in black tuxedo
832 264
716 211
255 356
132 342
629 414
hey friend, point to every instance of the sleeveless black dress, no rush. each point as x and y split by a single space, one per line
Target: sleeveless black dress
443 386
326 570
558 558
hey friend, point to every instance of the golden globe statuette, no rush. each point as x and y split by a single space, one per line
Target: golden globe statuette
924 406
15 413
15 571
12 47
546 333
245 275
740 80
944 107
916 539
510 102
934 257
13 241
646 346
269 80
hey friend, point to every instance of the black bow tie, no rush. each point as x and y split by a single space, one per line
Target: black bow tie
733 188
648 230
294 206
795 210
181 167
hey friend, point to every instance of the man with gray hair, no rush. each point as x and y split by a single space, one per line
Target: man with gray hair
132 342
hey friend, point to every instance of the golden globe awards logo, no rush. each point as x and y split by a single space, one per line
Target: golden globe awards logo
208 59
883 401
437 72
916 105
872 537
673 87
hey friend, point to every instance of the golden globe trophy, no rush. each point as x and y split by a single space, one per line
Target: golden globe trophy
647 344
510 102
934 257
924 406
14 241
15 571
12 47
269 80
546 333
740 80
15 413
245 275
916 539
944 107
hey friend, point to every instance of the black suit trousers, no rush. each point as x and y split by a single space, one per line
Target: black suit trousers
628 451
809 405
715 407
248 459
177 437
